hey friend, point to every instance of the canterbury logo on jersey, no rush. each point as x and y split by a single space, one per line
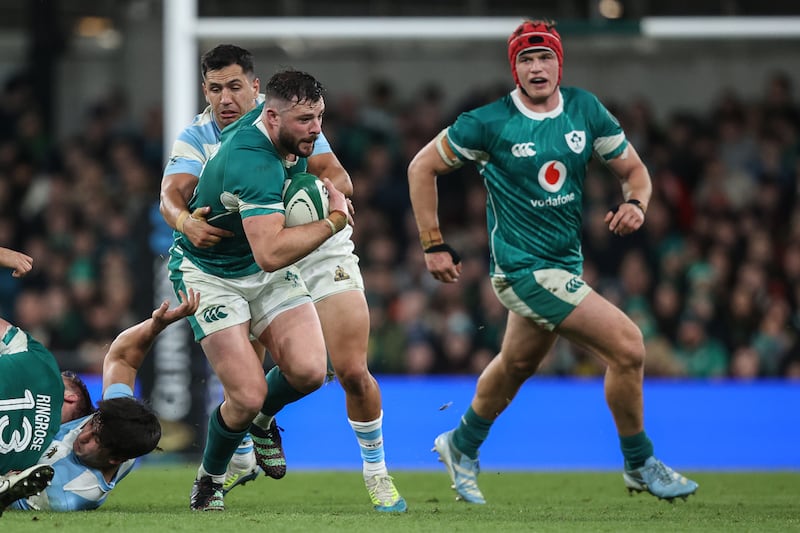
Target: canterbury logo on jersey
574 284
212 314
523 150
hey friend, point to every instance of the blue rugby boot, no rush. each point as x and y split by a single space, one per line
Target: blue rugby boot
463 470
659 480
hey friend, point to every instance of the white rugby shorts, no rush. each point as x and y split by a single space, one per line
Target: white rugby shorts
257 298
332 268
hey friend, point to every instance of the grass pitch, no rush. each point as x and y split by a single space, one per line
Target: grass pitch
155 499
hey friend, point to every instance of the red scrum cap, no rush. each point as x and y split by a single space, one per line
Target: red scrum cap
531 35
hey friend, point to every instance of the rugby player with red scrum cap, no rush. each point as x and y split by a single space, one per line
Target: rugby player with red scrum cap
532 147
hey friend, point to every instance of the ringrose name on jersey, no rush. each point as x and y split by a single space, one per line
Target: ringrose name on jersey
554 201
41 421
27 435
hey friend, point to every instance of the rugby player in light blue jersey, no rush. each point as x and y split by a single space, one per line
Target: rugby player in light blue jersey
93 453
531 148
331 274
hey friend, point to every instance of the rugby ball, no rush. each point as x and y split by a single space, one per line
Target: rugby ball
305 199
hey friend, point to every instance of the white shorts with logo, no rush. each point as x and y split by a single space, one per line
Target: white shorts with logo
257 298
332 268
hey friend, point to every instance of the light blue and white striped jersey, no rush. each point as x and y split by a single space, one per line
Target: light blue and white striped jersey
75 486
198 141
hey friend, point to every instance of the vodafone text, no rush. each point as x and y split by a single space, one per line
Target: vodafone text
554 201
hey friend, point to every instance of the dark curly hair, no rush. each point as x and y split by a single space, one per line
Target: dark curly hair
126 427
294 86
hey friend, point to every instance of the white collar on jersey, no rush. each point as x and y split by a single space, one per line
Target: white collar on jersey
533 114
259 124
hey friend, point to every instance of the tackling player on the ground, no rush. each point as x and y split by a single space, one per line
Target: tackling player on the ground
93 449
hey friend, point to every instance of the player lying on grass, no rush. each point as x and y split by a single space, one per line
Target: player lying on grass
91 454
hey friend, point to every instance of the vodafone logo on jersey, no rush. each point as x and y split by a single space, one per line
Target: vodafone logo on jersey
552 175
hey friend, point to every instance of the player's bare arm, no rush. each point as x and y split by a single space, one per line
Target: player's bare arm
275 246
327 165
423 170
19 263
636 191
129 349
176 190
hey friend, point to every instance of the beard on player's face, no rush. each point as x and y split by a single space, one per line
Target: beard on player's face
301 146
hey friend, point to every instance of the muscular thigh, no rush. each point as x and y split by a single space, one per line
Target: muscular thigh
600 326
233 359
345 324
294 340
525 342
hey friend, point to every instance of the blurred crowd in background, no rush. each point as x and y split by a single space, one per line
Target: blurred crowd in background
712 279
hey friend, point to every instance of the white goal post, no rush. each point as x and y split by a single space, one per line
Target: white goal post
183 27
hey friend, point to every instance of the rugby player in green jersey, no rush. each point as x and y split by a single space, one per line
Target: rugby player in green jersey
250 282
39 403
531 148
34 396
331 274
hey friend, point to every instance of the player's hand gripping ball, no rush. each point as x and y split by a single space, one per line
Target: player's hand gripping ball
305 199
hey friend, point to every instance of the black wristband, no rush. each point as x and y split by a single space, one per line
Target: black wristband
444 247
632 201
637 203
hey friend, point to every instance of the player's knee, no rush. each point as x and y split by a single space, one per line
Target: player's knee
355 380
521 369
630 355
308 379
248 400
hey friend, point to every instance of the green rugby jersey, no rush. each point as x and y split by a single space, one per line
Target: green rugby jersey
244 177
31 396
533 166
